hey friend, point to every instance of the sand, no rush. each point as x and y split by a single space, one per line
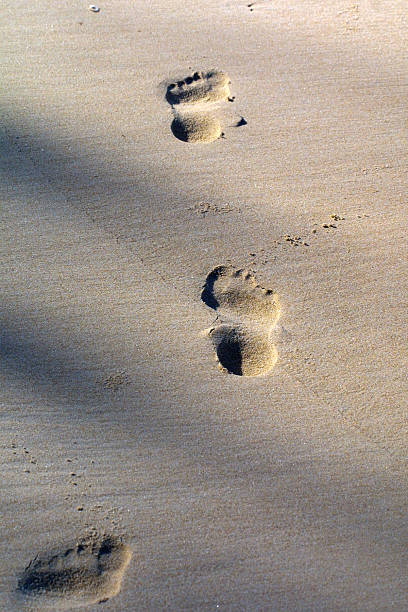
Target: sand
283 489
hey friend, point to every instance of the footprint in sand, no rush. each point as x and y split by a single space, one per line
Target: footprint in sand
194 102
88 573
247 312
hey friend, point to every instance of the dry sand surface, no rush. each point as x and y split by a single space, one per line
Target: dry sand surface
204 290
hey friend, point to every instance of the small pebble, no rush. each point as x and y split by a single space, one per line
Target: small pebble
94 8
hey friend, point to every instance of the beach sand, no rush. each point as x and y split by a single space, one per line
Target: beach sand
157 241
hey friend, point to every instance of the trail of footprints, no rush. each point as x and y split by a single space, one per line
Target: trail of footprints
194 101
88 573
247 313
91 571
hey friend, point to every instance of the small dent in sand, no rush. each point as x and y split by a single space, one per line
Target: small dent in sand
205 208
241 122
115 381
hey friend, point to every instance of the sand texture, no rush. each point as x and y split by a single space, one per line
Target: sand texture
203 322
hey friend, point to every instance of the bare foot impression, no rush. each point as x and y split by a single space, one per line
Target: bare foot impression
90 572
248 313
194 101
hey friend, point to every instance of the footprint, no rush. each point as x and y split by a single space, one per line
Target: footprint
248 313
193 100
200 87
88 573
